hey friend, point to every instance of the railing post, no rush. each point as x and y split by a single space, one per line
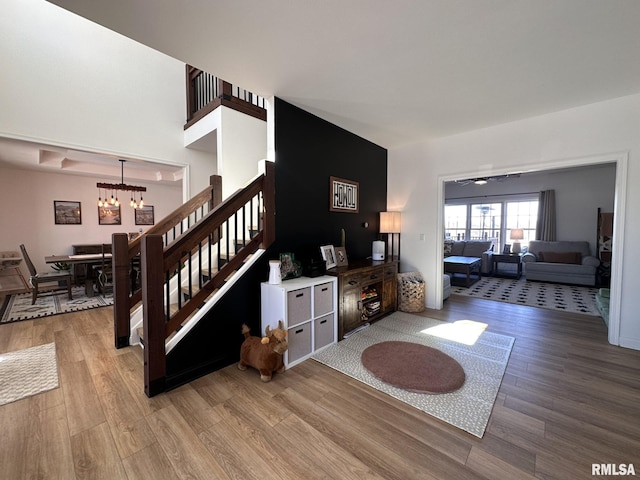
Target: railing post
225 89
269 199
155 364
215 181
121 287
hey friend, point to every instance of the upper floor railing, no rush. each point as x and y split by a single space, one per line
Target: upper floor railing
206 92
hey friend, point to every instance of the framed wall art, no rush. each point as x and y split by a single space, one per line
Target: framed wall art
343 195
144 215
67 213
109 215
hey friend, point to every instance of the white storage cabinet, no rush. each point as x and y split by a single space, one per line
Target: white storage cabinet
307 307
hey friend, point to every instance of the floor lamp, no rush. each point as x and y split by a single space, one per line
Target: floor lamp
391 223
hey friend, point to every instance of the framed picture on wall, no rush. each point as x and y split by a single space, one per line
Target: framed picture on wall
144 215
67 213
343 195
109 215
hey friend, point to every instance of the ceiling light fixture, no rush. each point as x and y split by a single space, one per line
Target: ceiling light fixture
120 186
480 181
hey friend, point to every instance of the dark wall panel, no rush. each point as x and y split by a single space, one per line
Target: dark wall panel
309 150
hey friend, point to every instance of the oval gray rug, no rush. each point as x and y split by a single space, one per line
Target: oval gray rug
413 367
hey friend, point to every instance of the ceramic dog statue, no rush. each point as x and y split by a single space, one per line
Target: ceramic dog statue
264 354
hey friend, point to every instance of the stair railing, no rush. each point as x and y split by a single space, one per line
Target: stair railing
206 92
127 291
220 244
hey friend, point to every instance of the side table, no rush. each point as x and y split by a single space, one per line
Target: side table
512 258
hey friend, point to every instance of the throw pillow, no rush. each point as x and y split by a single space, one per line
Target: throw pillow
561 257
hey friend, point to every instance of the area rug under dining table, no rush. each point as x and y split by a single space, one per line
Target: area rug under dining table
483 355
18 307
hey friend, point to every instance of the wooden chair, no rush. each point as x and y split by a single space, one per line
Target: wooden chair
103 272
50 281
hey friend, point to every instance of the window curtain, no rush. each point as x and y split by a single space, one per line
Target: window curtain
546 224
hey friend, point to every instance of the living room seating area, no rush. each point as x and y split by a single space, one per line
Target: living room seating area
560 262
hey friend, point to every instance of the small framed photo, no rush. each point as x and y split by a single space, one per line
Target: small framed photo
328 255
341 257
506 248
109 215
144 215
67 213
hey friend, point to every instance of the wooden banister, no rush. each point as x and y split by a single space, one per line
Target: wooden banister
164 264
126 295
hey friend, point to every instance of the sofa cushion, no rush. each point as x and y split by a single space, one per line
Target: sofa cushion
476 249
561 257
457 248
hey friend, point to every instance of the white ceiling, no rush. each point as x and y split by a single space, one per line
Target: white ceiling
400 71
105 168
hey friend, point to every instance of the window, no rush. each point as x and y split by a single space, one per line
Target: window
492 220
455 218
486 219
522 215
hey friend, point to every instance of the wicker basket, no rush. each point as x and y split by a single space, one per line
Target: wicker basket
411 292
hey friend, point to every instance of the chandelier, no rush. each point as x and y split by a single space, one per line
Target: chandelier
133 189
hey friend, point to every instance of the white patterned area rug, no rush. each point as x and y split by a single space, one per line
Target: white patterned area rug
18 307
483 356
565 298
28 372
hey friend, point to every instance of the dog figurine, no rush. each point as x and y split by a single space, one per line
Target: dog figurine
264 354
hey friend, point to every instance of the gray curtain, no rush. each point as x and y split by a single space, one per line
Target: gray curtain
546 224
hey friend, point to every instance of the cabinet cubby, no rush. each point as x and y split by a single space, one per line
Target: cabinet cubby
307 307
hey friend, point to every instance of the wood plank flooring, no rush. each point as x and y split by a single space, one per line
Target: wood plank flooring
568 400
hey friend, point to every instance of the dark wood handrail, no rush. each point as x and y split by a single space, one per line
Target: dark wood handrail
206 92
160 262
124 253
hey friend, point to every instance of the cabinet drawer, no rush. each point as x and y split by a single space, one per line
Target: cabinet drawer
298 305
390 270
323 331
299 339
322 299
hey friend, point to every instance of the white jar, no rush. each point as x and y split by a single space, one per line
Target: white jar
274 272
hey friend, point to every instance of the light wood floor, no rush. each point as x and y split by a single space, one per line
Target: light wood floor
568 399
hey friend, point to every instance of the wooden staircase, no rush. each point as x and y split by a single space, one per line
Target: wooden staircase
188 261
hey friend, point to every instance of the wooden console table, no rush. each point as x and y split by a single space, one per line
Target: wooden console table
367 291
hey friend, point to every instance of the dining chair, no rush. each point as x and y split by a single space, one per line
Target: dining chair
47 282
104 274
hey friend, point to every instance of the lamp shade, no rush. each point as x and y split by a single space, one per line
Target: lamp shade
390 222
517 234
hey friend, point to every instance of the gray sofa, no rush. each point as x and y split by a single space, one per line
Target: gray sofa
561 262
472 248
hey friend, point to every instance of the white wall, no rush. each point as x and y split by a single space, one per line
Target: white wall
417 172
69 82
242 143
27 214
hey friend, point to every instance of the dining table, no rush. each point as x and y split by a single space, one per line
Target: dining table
86 259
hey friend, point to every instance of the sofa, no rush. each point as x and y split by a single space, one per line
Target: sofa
560 262
472 248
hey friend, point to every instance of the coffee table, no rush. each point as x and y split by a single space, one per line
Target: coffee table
464 265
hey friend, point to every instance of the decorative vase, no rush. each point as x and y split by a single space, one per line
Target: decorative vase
274 272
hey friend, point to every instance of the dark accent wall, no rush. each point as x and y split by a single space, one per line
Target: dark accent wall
308 151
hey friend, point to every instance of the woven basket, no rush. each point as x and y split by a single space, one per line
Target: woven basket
411 292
